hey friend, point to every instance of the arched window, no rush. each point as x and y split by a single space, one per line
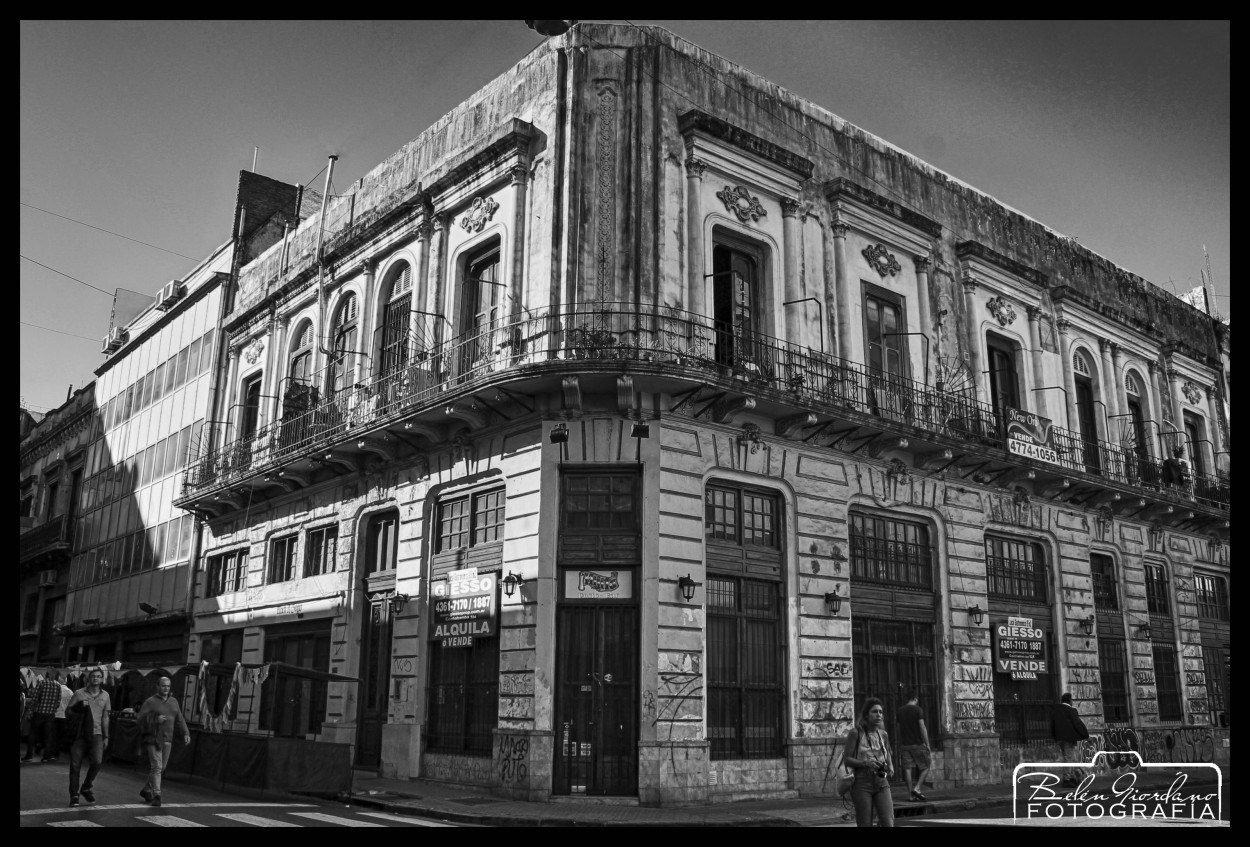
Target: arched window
393 346
302 354
1135 399
1085 401
346 340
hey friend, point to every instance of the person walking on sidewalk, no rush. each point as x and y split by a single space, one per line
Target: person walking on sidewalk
88 719
47 699
1069 730
867 752
158 718
62 737
913 739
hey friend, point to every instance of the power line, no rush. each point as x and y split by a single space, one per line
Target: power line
67 276
59 332
109 231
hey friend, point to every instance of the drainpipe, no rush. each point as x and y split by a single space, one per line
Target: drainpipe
321 232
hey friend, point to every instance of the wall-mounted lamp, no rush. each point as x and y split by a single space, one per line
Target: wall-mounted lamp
1088 625
641 429
1144 631
398 601
687 587
90 621
976 614
511 583
559 434
833 601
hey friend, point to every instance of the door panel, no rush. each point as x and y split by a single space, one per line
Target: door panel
597 721
375 681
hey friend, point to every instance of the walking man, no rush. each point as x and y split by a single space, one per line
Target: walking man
913 744
62 737
88 719
1069 731
43 718
158 718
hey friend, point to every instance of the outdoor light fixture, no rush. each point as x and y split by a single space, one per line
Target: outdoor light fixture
559 434
833 601
511 583
976 613
641 429
1144 631
90 621
398 601
1088 625
149 608
687 586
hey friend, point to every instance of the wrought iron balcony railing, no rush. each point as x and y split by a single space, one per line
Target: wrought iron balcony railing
646 336
49 535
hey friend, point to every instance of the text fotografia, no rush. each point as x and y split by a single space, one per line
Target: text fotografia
1038 795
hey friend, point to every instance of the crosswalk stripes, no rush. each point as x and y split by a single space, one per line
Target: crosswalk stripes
318 816
254 820
74 823
403 819
169 820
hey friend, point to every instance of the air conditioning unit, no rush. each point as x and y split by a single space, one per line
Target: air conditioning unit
169 294
47 578
115 339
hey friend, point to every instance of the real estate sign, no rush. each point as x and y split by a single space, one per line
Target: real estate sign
1020 649
464 607
1029 435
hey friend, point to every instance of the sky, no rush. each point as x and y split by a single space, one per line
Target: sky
1115 133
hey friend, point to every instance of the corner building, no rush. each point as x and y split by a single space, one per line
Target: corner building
627 429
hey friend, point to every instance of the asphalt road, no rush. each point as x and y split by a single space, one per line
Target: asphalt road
44 801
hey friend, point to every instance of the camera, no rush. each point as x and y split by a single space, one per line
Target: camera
882 769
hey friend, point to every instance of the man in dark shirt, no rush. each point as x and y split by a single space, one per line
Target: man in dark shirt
43 718
1069 730
913 744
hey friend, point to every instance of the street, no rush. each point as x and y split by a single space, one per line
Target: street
44 802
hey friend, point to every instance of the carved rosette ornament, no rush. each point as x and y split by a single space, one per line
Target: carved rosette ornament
881 259
1191 392
479 214
1002 311
253 350
741 203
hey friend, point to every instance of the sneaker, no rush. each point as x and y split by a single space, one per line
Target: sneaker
145 794
915 795
73 801
88 795
156 800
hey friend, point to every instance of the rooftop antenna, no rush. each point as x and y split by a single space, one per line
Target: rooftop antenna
255 156
1208 284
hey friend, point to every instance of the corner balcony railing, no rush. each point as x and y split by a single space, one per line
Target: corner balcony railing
667 341
51 535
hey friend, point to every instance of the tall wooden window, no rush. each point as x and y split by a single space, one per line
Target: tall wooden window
891 551
470 520
1157 602
481 312
381 542
1113 677
736 298
1211 595
1016 570
464 697
346 345
282 559
1167 683
746 634
1004 381
1102 571
226 572
302 354
396 317
885 346
320 548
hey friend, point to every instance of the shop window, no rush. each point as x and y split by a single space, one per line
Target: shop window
1016 570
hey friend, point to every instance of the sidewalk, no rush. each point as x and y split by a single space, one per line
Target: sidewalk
477 806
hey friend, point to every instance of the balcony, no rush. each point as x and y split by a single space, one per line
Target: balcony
700 364
47 539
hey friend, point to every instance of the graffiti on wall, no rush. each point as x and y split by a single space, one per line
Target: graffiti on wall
1185 745
512 759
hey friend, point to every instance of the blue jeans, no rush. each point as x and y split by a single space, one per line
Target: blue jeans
158 758
93 749
872 793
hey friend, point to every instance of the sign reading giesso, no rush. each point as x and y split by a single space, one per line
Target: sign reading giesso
1020 649
1029 435
463 607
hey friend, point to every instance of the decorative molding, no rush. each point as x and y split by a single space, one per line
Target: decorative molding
479 214
726 407
968 281
790 427
424 228
695 167
572 390
625 394
1191 392
882 260
606 171
750 435
739 201
790 207
923 263
1002 311
838 225
1034 312
253 350
695 121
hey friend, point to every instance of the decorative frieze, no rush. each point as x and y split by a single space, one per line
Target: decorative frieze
739 201
479 214
882 260
1002 311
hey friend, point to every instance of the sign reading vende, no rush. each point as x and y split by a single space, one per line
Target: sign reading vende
464 607
1020 649
1030 436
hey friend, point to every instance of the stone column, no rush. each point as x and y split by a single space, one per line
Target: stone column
1157 389
520 180
971 336
421 285
796 312
923 264
845 304
1178 404
1069 378
442 328
1213 427
230 395
1109 384
696 299
368 343
1035 357
275 370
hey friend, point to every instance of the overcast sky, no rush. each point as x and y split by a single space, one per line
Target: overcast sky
1114 133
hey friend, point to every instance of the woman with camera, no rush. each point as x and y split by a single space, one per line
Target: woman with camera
867 753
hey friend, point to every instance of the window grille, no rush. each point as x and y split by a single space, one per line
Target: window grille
1212 597
1102 571
1015 570
463 698
600 501
1215 664
1167 683
891 551
1157 602
1023 707
471 520
891 657
1113 676
742 516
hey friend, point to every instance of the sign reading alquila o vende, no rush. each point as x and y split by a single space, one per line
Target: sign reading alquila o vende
1020 649
464 607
